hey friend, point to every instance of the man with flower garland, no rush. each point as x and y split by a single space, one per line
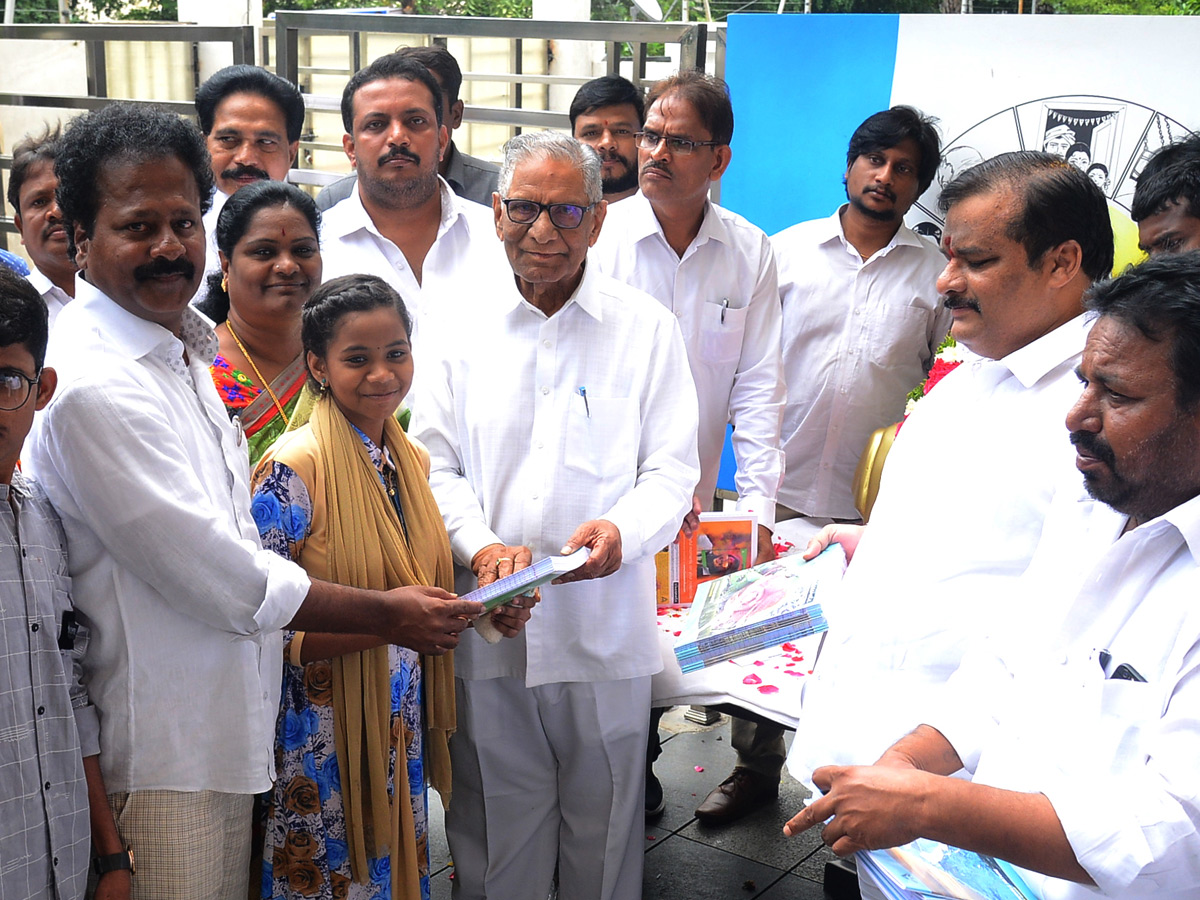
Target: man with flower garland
969 480
1078 724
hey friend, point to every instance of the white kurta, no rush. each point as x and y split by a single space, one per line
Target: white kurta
725 294
858 335
466 244
519 458
139 458
960 511
1117 759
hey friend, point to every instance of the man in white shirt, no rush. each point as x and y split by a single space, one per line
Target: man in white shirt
403 223
251 119
150 479
1026 234
715 272
1166 200
862 317
1079 729
31 187
468 176
606 114
562 416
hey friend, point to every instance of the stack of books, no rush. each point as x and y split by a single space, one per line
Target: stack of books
722 543
928 870
758 608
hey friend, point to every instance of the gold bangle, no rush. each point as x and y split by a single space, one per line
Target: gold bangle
294 649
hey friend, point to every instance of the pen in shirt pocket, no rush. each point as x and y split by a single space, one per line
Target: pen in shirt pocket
587 409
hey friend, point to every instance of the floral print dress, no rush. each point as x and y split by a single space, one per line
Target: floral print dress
305 853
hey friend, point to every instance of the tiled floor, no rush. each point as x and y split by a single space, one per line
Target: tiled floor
688 861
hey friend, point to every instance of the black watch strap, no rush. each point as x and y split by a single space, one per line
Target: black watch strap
113 862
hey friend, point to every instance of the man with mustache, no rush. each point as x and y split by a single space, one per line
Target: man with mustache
606 114
468 176
251 119
150 479
1077 723
968 483
716 272
861 322
403 223
31 186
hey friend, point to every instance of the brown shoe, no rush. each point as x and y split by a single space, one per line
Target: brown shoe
741 793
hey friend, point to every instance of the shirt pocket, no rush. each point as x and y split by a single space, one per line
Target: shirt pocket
722 327
899 336
601 436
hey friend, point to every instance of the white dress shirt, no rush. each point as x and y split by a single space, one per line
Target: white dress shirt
1116 758
725 294
138 455
857 337
964 496
212 261
519 457
466 243
56 298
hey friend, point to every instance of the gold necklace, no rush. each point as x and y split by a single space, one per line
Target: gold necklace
258 374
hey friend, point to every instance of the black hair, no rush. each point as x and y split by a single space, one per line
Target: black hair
247 79
122 133
236 215
30 151
23 316
394 65
1079 147
1058 203
1171 175
709 96
1161 299
887 128
608 90
438 60
323 311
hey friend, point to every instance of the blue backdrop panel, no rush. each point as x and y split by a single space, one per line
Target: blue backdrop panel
800 86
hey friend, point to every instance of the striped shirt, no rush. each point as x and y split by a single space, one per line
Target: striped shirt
45 715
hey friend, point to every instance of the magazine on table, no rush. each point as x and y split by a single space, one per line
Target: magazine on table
757 608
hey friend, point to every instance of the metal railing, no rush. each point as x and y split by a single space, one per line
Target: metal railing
292 27
95 37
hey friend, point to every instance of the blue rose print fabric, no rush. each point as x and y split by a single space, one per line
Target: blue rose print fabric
305 853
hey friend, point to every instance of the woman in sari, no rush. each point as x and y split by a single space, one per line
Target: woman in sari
346 496
270 264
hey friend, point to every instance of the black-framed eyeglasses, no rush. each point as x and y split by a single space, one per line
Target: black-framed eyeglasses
562 215
649 140
15 388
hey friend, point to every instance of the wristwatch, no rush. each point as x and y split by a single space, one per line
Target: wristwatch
114 862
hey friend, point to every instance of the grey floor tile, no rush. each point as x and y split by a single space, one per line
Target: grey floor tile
681 869
790 887
812 867
683 787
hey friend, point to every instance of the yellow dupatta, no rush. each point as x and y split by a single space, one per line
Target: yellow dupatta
367 548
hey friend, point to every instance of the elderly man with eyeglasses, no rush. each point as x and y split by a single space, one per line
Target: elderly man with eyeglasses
590 442
716 273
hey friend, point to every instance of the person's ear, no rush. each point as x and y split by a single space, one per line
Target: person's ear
316 367
1062 263
293 151
348 146
456 114
723 155
46 387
